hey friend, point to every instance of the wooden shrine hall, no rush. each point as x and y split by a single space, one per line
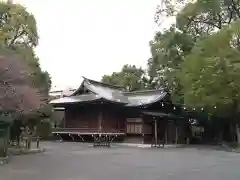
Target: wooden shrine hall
96 108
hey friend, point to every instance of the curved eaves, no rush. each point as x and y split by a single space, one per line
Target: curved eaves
75 99
77 90
145 99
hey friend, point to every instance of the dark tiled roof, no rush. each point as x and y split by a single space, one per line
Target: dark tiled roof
75 99
113 94
97 84
107 92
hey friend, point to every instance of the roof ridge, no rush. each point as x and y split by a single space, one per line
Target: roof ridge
104 84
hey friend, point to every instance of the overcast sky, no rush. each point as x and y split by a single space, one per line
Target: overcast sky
91 37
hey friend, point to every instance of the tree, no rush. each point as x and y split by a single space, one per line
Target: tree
169 8
213 26
168 51
168 48
18 96
203 17
210 76
195 20
209 71
17 25
212 69
44 129
130 77
42 79
17 93
18 31
26 86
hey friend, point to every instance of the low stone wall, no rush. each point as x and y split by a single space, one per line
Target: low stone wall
18 151
4 160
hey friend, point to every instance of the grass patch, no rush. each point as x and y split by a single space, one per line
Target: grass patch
234 145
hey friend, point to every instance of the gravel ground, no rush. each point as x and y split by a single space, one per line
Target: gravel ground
76 161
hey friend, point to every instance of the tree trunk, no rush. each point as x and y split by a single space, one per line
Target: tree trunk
176 135
235 121
237 133
220 137
166 134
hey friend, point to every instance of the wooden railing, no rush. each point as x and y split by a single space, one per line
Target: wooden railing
85 129
75 130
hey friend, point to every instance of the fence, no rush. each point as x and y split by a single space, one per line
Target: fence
4 137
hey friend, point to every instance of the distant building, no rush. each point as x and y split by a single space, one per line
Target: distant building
58 114
61 93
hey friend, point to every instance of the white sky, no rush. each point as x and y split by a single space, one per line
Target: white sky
91 37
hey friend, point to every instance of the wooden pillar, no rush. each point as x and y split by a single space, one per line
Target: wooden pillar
64 119
176 136
142 129
166 133
100 121
155 131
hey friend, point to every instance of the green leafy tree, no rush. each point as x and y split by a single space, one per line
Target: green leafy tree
213 27
17 25
168 48
130 77
42 79
18 34
210 76
18 31
210 73
169 8
197 57
195 20
168 51
203 17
